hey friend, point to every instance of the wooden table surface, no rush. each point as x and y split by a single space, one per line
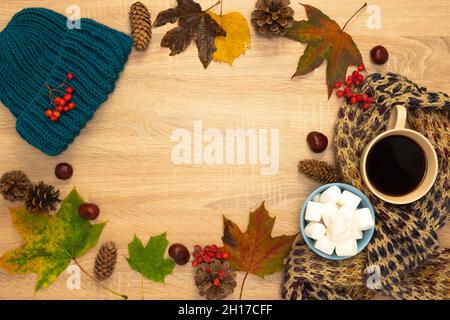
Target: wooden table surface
122 159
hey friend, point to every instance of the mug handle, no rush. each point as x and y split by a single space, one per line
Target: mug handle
398 117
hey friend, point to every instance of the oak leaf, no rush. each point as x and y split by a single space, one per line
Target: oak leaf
50 242
255 251
193 24
326 41
149 260
237 39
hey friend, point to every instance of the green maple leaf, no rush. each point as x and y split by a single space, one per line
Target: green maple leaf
326 41
149 260
50 242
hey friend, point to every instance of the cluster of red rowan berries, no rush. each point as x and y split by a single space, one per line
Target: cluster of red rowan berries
350 91
61 99
206 255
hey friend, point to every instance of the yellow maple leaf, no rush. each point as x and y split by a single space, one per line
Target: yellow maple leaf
237 40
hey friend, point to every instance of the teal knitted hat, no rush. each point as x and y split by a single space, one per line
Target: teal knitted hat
37 51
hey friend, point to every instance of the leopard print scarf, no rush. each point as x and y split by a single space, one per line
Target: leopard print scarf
403 259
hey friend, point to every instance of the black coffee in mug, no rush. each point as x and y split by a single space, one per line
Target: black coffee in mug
396 165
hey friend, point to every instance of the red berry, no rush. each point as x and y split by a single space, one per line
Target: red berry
359 97
56 114
53 118
340 93
360 77
70 76
370 100
207 269
361 68
48 113
194 263
218 255
216 282
348 94
200 260
71 105
366 106
57 100
210 254
365 96
225 255
349 83
337 85
358 83
221 274
62 102
60 108
213 247
207 259
353 100
355 74
69 90
68 97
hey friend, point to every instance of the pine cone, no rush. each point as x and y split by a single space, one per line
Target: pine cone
272 18
14 185
41 198
141 26
320 171
204 280
105 261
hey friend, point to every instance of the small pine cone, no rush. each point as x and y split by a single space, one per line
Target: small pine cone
204 280
105 261
272 18
42 198
320 171
14 185
141 26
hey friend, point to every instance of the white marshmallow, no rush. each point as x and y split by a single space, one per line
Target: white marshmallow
329 210
346 210
313 211
316 198
325 245
352 221
356 234
350 199
315 230
337 226
365 219
346 248
331 195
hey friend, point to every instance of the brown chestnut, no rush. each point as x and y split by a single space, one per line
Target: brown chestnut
179 253
317 141
89 211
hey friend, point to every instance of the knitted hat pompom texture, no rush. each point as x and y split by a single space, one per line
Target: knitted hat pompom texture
37 47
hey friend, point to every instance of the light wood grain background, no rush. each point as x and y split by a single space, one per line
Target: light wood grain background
122 159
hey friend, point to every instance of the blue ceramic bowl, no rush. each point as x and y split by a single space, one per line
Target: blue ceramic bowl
365 203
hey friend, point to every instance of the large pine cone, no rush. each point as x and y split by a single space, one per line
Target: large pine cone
205 275
105 261
14 185
141 26
272 18
42 198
